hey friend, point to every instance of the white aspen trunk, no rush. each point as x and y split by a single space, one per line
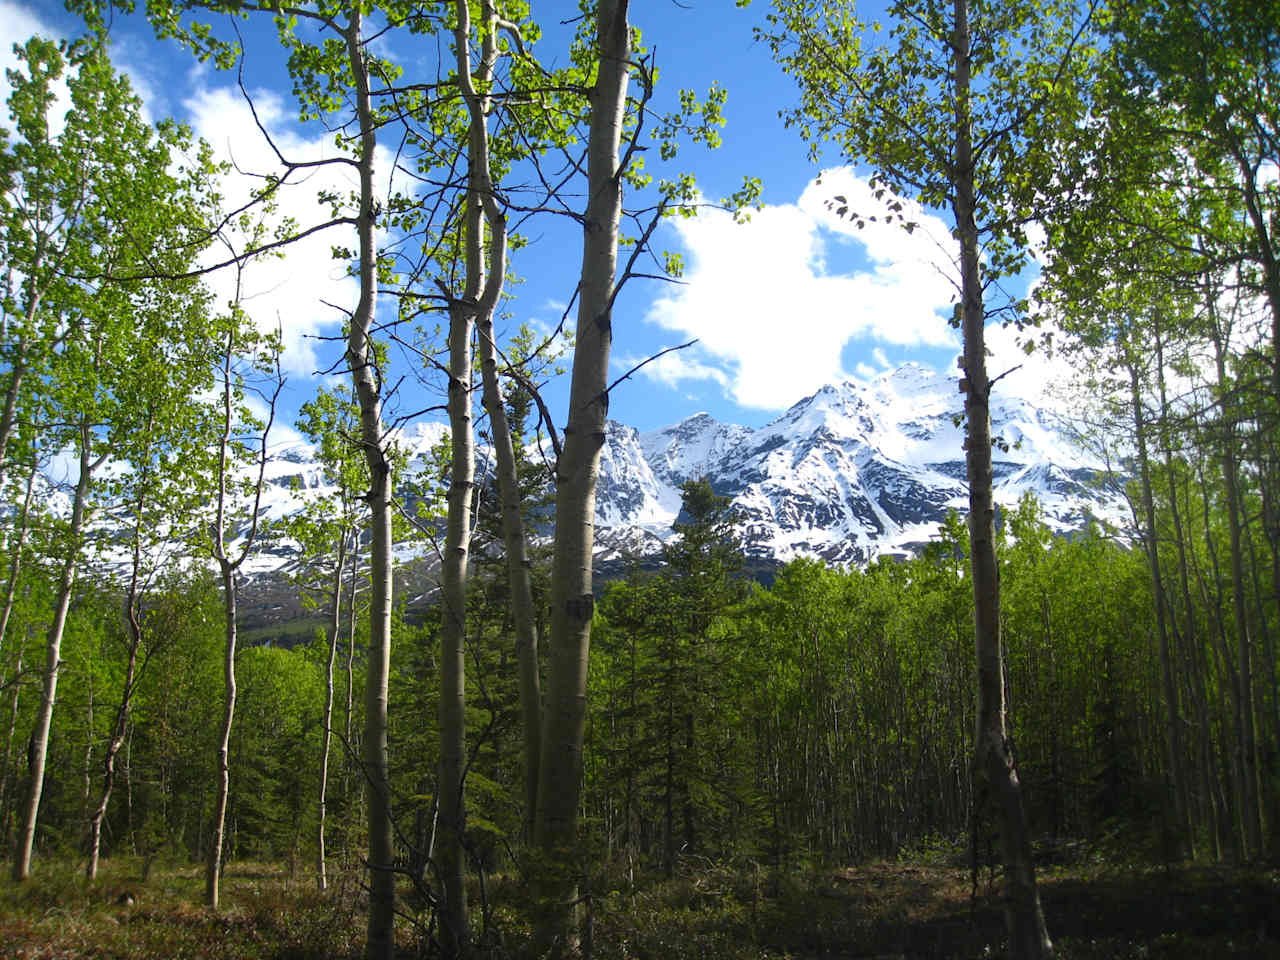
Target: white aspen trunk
517 549
133 630
1173 738
1250 804
1024 918
15 561
572 602
452 799
88 742
213 869
450 858
118 732
9 411
8 751
380 941
228 568
514 540
326 734
44 716
351 659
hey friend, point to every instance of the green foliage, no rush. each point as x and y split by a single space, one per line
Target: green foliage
280 698
883 96
665 678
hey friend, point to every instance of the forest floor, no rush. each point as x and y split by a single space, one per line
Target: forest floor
883 911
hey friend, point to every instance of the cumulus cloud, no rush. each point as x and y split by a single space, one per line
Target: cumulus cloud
679 365
276 292
284 292
21 23
289 292
1042 376
771 314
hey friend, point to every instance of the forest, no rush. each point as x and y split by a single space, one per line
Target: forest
1013 743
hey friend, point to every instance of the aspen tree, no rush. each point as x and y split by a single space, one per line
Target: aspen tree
968 128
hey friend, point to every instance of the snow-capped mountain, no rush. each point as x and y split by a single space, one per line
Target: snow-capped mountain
852 472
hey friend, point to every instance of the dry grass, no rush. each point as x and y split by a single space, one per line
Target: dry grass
879 910
264 914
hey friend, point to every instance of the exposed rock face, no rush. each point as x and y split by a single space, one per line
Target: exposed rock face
854 471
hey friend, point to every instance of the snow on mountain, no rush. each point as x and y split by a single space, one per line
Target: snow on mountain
854 471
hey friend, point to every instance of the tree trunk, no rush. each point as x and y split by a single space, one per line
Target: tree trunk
15 561
453 606
1189 639
1024 919
8 777
8 413
10 598
572 602
1173 729
44 716
380 943
523 615
348 743
118 732
1233 769
462 315
326 733
133 630
513 535
1251 809
1271 528
213 869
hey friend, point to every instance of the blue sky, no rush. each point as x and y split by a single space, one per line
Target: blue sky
790 301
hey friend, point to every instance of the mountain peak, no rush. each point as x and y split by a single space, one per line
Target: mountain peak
861 468
855 470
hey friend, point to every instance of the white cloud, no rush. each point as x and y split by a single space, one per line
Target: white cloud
19 24
288 290
672 368
294 290
772 316
880 357
1042 376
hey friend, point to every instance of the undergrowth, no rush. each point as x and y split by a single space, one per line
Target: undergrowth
922 908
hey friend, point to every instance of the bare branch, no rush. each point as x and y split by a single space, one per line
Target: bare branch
649 360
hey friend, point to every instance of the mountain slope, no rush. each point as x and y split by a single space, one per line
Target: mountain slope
851 472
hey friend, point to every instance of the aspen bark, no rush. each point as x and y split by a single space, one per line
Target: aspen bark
8 777
133 630
1024 919
326 732
572 602
1251 810
380 942
453 603
213 869
1173 732
351 658
9 410
15 561
228 568
516 545
482 194
62 603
